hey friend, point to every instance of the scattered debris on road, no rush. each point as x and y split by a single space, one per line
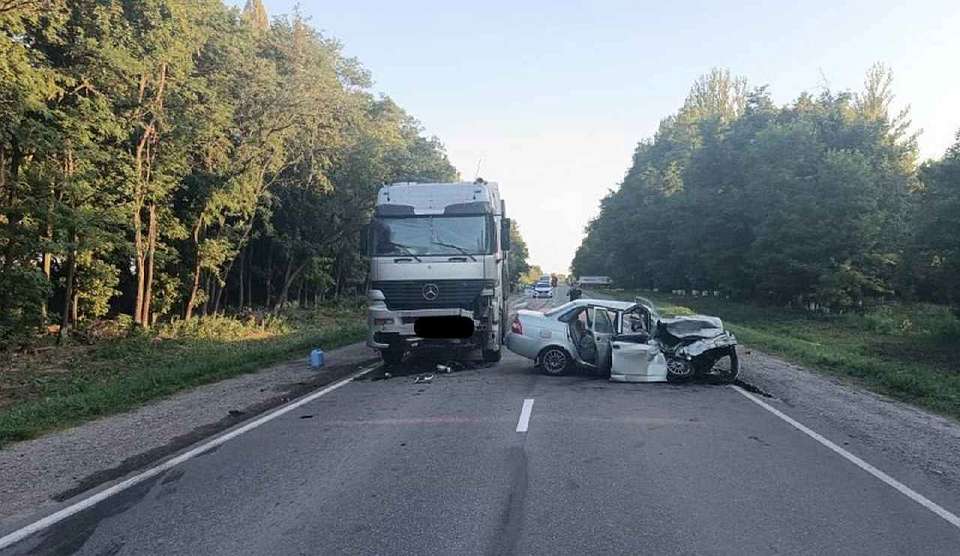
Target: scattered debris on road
423 379
752 389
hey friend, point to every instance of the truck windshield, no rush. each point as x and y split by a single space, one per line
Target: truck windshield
432 235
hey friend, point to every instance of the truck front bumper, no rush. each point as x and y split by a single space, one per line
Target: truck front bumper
392 329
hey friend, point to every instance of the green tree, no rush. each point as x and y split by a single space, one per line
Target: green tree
936 244
801 203
147 147
517 261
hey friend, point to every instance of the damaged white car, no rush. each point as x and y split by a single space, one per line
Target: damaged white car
629 341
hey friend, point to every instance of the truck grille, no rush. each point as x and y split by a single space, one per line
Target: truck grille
450 294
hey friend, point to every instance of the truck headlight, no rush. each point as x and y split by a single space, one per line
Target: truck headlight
382 322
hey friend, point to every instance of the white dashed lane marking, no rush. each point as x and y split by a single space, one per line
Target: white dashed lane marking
525 411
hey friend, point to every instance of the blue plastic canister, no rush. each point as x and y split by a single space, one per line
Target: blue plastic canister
316 358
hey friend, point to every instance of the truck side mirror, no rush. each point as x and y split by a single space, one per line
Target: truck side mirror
504 234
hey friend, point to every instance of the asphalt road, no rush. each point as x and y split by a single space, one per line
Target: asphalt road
399 467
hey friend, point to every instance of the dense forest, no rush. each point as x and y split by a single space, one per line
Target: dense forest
173 158
820 203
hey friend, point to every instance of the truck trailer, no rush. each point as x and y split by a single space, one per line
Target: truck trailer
438 274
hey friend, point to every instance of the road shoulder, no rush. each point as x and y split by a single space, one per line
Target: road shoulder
910 436
37 475
916 445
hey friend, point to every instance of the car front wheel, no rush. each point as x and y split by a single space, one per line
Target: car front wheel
554 361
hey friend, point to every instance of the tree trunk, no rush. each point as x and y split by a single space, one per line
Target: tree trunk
138 243
68 298
206 289
269 278
47 256
243 257
151 251
216 303
229 267
192 300
143 160
75 307
250 284
289 276
194 289
139 257
209 308
285 290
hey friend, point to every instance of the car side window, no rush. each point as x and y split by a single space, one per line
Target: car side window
634 323
601 322
569 315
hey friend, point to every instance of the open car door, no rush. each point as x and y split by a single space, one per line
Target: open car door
603 330
635 356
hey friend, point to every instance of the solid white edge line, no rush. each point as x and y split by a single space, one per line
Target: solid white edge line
525 411
41 524
904 489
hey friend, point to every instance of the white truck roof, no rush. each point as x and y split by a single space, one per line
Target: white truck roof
408 198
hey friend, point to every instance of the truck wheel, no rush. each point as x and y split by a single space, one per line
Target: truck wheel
392 356
554 361
491 356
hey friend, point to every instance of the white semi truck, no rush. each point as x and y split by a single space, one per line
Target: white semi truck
438 274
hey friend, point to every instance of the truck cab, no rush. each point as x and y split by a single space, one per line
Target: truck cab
438 274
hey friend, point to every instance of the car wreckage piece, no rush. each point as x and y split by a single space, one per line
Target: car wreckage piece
697 346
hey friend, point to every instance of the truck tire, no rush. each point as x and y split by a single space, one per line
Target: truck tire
491 356
392 356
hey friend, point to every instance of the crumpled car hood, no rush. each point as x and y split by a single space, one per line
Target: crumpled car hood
693 326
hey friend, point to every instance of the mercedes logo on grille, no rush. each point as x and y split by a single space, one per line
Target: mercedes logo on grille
431 292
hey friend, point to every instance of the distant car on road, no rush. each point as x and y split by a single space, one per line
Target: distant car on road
543 289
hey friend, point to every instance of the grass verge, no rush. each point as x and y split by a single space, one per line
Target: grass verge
908 351
69 386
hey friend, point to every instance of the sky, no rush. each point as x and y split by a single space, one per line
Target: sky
549 98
